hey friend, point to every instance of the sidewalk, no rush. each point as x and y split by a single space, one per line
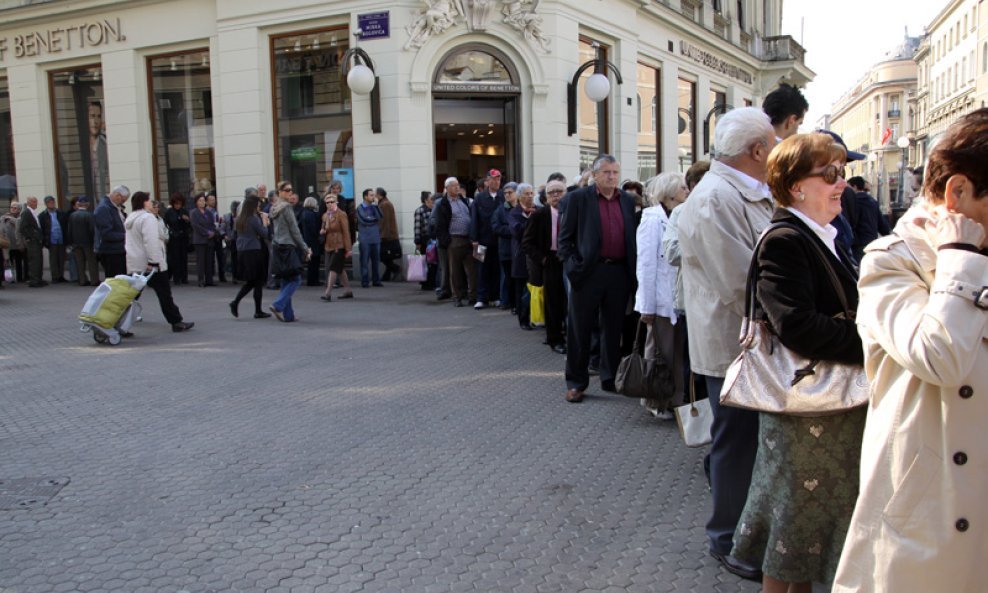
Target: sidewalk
388 443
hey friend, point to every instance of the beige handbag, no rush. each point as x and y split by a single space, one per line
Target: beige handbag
695 419
768 377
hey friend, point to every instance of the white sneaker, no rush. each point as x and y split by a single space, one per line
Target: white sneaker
665 415
479 305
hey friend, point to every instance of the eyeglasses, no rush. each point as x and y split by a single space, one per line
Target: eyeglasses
330 201
287 189
830 174
556 192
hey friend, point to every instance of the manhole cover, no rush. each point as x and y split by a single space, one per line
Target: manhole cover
28 493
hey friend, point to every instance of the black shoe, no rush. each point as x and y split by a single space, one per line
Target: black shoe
182 326
442 296
594 370
233 308
458 303
608 386
209 284
36 284
738 567
326 297
126 334
261 315
377 284
346 295
559 349
526 326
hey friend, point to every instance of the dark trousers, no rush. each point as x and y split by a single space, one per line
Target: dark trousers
255 285
85 261
56 262
732 458
507 285
18 263
489 276
390 254
523 301
220 254
114 264
163 290
443 285
178 259
34 265
313 268
234 273
603 295
462 272
204 262
554 295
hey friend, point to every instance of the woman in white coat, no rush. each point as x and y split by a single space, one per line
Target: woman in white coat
655 297
145 244
921 523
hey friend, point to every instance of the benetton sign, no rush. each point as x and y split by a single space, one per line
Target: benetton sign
59 39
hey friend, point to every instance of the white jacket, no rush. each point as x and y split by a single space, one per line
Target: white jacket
145 242
656 278
718 228
674 255
921 522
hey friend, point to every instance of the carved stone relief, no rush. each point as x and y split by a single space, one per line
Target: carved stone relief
439 15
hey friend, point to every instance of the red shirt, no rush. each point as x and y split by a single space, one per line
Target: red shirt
611 226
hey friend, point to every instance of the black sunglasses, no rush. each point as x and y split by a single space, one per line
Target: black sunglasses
830 174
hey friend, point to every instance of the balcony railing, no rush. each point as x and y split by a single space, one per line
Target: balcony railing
894 113
782 48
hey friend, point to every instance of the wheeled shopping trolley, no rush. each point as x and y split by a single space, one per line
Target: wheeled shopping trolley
111 309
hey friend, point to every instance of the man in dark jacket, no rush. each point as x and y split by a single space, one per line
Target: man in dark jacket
29 230
452 216
871 222
53 231
80 237
596 244
502 230
485 203
110 233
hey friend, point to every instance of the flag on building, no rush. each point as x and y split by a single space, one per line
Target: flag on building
886 136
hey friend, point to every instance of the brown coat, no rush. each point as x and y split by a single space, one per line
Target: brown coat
389 224
337 231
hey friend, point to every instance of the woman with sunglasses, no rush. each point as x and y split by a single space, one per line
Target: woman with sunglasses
805 478
336 239
287 235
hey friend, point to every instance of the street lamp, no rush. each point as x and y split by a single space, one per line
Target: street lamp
597 88
719 109
361 79
903 144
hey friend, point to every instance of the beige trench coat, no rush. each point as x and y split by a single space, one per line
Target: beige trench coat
921 520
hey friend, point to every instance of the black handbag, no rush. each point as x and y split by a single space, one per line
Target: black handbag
287 262
639 377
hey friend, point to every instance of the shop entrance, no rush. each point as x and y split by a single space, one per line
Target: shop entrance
475 117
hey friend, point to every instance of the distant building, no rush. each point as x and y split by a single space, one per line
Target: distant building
947 65
870 118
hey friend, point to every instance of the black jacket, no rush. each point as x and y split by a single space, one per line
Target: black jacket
579 236
537 243
110 232
81 230
482 211
45 220
442 218
797 296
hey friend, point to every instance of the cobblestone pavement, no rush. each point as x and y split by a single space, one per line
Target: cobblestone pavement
388 443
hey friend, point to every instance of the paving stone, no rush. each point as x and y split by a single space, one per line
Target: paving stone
386 444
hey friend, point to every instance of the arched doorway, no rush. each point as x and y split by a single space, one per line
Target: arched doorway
475 105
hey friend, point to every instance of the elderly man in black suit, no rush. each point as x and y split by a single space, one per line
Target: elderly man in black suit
53 230
596 244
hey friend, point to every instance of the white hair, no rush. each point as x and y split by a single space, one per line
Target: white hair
738 129
523 187
123 190
662 187
450 181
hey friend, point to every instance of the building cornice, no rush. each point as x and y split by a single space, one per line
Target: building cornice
942 16
838 109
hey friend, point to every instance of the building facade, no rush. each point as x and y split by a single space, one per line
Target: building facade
189 95
947 66
873 115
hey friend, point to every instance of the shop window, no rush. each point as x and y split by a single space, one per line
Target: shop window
592 117
182 123
8 179
648 137
718 105
686 145
80 132
313 127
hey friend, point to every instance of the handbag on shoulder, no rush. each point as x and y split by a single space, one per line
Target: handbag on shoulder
768 377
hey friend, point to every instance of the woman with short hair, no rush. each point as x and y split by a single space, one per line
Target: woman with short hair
804 481
921 523
336 242
310 225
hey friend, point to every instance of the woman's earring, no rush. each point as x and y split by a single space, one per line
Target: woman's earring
802 196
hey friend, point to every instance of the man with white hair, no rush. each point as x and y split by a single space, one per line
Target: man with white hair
110 233
29 229
718 228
